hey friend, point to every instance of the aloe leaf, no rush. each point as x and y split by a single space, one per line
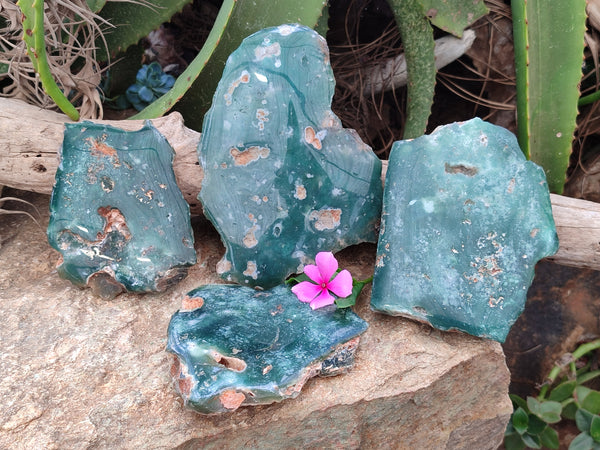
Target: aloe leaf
236 21
548 39
133 21
34 37
417 39
454 16
189 76
96 5
322 25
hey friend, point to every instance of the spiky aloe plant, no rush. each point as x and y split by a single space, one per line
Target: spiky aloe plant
549 40
235 21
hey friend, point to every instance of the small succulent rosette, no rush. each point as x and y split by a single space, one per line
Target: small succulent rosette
150 84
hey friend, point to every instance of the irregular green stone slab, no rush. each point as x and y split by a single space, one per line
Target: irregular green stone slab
116 213
465 219
282 179
237 346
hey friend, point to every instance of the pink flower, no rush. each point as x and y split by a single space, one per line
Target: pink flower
318 294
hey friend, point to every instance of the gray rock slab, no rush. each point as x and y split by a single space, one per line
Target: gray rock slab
82 372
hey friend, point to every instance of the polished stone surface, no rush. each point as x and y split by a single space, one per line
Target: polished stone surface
237 346
465 219
117 215
282 179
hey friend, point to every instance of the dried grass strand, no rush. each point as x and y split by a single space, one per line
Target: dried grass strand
71 33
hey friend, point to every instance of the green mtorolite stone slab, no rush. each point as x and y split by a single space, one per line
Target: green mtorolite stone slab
236 346
116 214
282 179
465 219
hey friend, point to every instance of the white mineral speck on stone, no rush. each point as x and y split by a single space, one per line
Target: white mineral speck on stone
286 30
428 206
260 77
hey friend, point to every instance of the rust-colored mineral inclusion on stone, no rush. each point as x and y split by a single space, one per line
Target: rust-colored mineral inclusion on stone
116 213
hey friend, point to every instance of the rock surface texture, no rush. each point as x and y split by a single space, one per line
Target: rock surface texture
117 215
81 372
465 219
282 179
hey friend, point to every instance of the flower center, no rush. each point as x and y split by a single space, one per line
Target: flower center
323 285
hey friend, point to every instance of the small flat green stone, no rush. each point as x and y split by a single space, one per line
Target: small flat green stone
237 346
117 215
282 179
465 219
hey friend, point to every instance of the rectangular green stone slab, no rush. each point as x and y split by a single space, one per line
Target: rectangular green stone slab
465 219
117 215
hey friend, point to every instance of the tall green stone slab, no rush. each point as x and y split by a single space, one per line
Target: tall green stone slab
117 216
282 179
465 219
236 346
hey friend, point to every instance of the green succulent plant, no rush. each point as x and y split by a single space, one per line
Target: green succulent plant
563 398
151 83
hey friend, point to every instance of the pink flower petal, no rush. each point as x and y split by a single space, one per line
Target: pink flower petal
306 291
341 285
327 265
324 299
313 273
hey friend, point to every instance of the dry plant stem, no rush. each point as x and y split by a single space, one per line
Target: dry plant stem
29 158
17 211
392 73
593 12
